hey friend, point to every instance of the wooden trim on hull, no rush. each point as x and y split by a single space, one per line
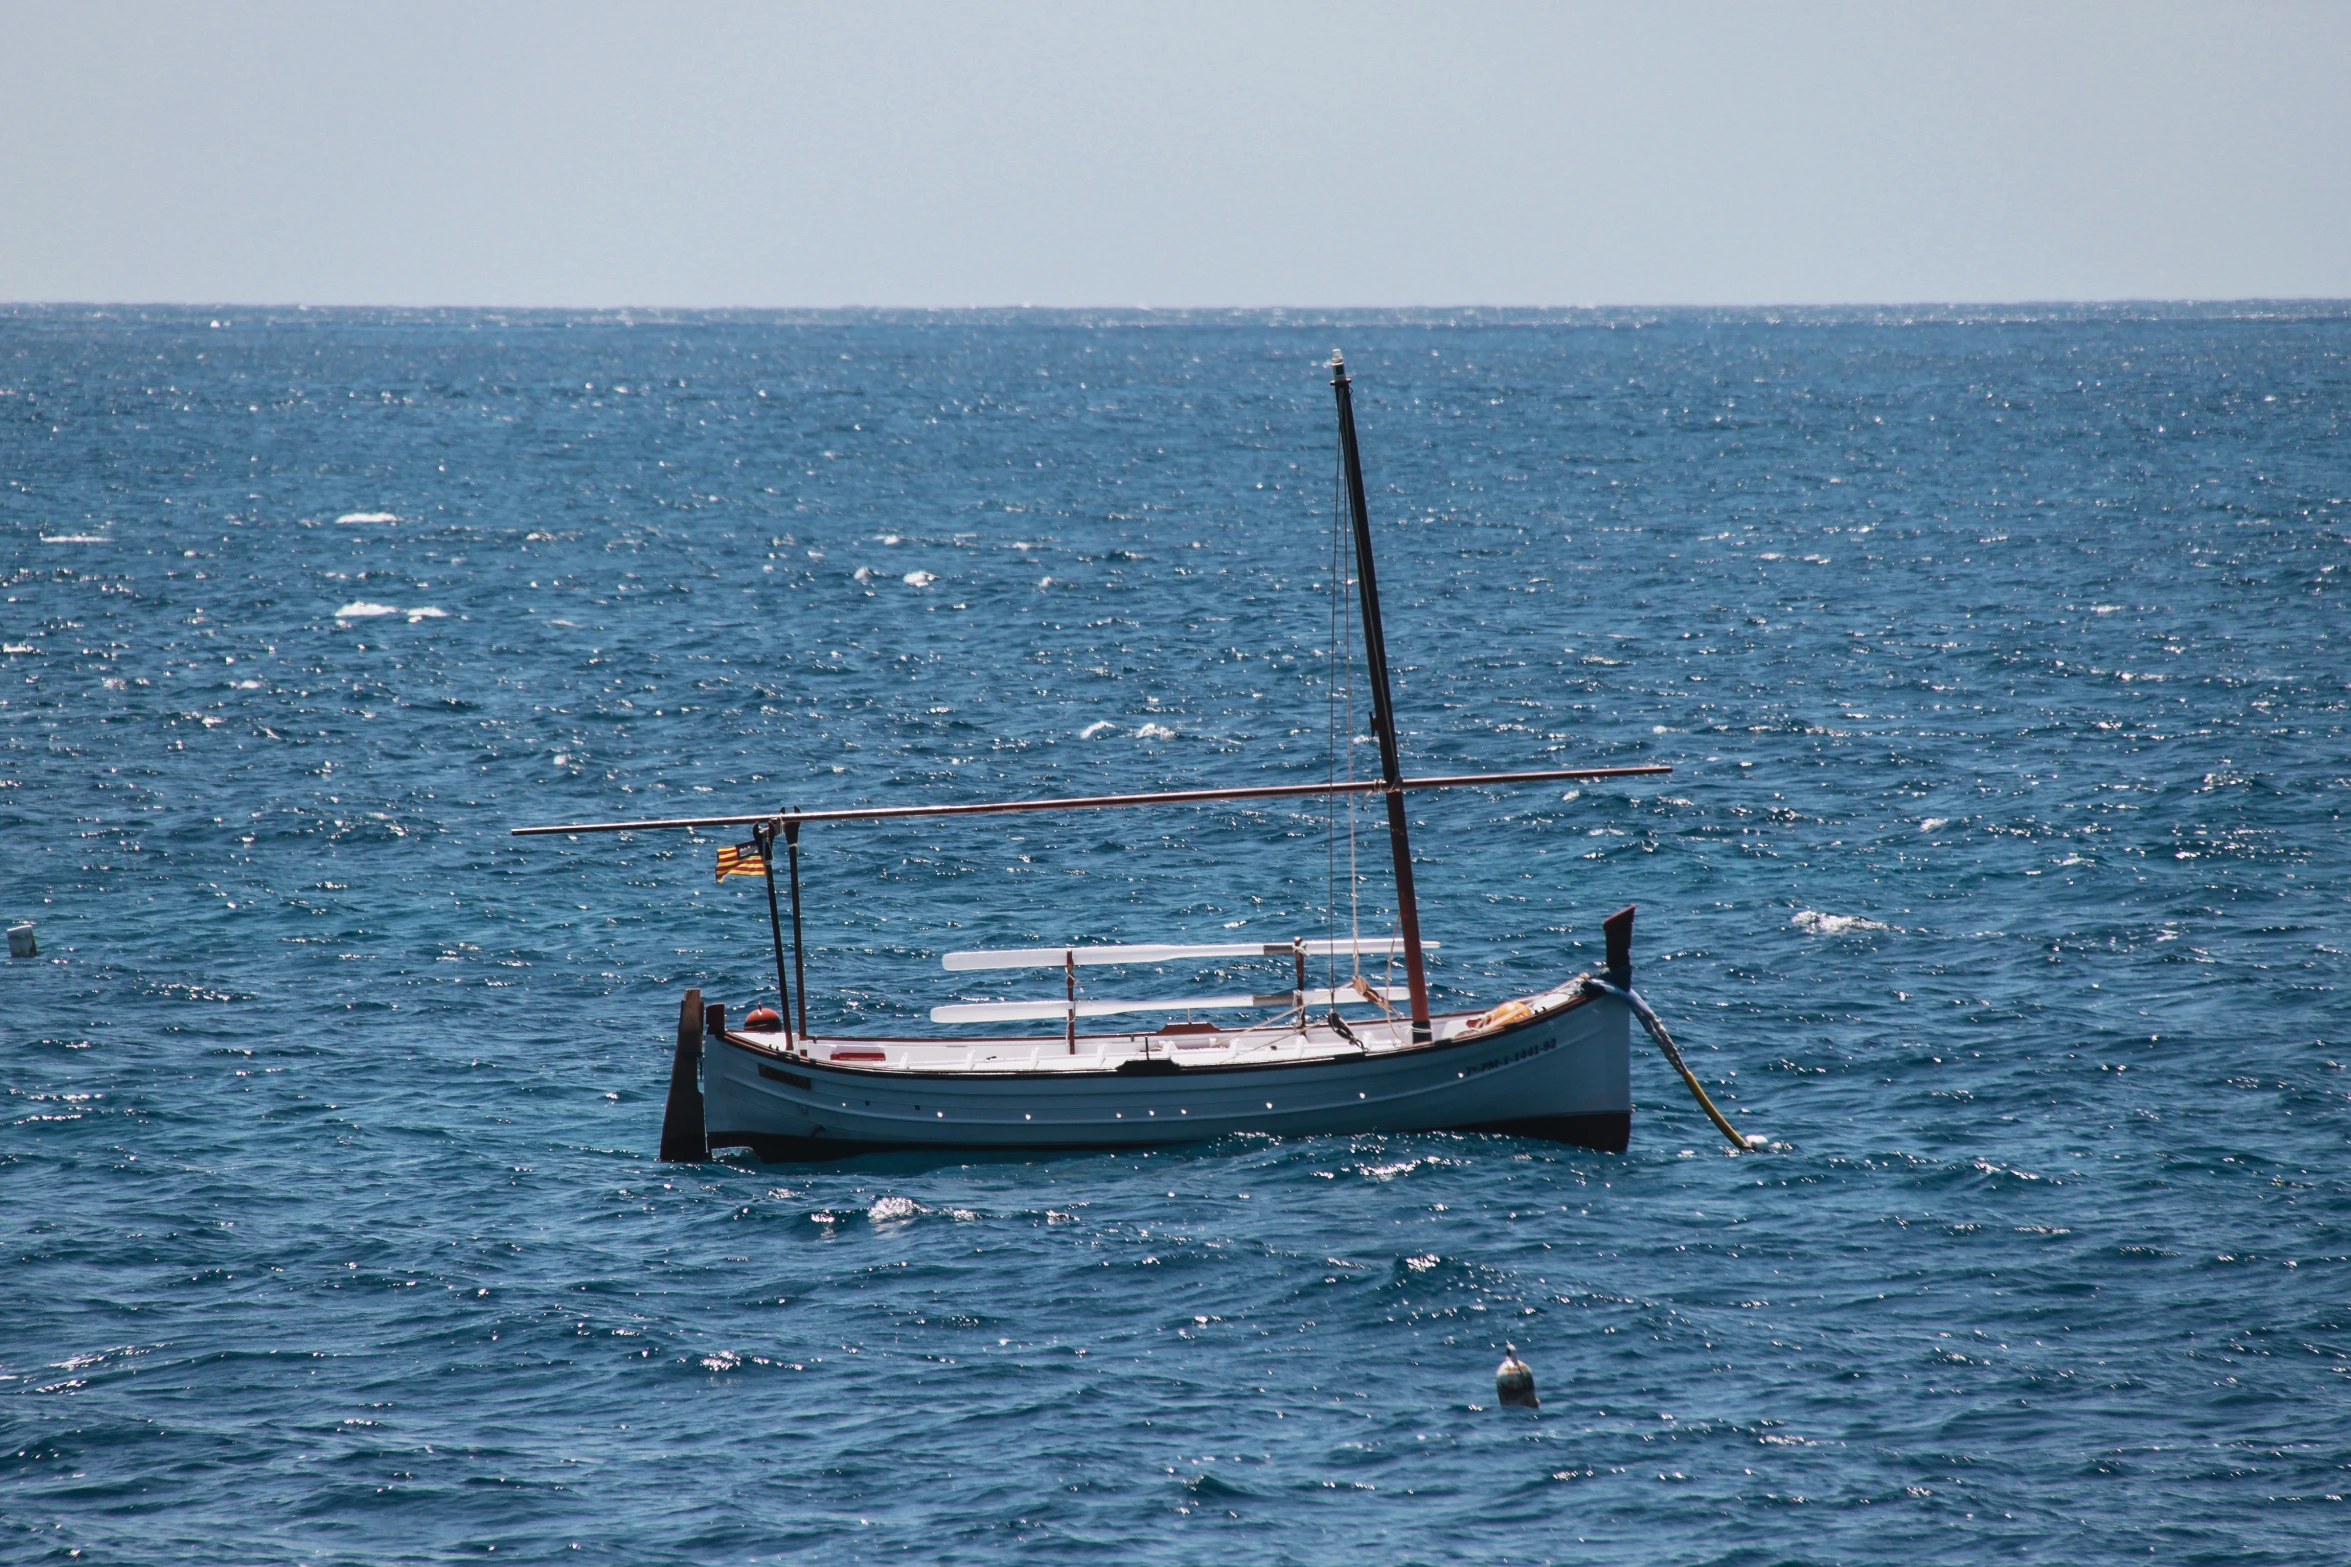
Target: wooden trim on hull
1609 1132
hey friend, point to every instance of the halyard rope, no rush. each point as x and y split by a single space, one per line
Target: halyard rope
1339 708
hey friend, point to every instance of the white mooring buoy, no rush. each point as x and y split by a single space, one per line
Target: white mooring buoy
1513 1382
21 943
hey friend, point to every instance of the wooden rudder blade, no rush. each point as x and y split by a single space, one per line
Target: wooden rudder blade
684 1139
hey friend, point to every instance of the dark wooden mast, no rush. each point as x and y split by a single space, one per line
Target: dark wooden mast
1383 711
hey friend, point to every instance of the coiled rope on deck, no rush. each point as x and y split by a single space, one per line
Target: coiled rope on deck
1656 1028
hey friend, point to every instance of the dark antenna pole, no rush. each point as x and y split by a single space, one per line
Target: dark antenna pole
1383 712
799 970
765 835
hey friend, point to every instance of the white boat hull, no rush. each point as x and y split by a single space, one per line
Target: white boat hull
1563 1074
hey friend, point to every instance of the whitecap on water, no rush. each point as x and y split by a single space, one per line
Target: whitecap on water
367 516
426 612
1154 732
886 1209
1934 824
361 609
918 579
1833 924
1099 726
76 538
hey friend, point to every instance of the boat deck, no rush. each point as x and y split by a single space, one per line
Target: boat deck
1280 1043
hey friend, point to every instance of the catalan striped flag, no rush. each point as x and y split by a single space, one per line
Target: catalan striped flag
742 859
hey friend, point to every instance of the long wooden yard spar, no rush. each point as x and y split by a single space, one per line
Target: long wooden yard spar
1383 711
789 821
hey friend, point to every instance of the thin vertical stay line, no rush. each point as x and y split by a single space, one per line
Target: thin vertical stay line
1331 723
1348 634
1347 738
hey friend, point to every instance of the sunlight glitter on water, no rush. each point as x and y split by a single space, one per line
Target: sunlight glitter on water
330 1160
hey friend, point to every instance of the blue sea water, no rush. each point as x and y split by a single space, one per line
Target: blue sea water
2001 881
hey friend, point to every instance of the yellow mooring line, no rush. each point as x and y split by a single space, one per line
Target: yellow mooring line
1649 1021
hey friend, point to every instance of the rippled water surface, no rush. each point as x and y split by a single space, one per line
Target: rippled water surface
2001 880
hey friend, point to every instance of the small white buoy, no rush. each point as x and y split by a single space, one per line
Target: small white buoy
1513 1382
21 943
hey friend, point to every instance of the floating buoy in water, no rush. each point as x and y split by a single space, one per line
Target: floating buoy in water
763 1020
1513 1382
21 943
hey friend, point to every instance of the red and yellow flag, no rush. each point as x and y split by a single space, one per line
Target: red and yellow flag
742 859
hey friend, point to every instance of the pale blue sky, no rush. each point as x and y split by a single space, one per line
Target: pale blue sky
1172 155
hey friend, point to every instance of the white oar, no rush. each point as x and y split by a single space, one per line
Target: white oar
1037 1011
1167 952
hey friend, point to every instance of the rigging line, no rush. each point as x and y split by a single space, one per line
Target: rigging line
1342 737
1347 624
1330 713
1346 653
1343 651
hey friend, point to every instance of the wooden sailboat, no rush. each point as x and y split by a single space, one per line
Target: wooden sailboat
1554 1065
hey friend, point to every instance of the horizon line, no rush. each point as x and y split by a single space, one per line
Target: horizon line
1032 307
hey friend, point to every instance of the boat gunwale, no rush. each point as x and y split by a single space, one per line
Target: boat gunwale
1580 997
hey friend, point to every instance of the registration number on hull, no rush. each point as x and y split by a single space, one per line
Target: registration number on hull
1524 1053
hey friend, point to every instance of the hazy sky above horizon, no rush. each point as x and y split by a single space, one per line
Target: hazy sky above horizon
588 153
